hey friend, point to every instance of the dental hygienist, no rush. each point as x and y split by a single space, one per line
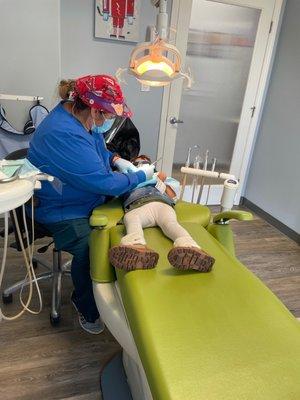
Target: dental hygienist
70 146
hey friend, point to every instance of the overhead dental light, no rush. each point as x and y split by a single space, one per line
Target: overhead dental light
156 63
156 68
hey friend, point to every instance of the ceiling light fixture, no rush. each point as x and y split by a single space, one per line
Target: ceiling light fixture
156 63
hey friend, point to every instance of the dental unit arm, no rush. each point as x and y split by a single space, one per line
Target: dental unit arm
219 228
13 194
231 184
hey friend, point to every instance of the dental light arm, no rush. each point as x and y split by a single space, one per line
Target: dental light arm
162 20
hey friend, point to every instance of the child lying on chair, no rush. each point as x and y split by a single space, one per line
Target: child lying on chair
149 206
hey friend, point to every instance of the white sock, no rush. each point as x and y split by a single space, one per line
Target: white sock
133 239
186 241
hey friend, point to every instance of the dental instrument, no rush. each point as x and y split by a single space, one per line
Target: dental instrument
203 177
195 178
156 161
187 164
213 166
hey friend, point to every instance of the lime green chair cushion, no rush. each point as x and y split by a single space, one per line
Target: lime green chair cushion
110 213
216 336
187 212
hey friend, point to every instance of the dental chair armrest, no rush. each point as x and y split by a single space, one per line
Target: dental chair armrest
100 268
107 215
224 235
98 221
225 216
103 218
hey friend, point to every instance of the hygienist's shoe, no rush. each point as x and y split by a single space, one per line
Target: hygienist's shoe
91 327
184 258
131 257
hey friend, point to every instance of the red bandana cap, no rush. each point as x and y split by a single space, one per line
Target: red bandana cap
103 93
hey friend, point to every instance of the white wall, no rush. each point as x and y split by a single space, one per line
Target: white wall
274 178
29 32
45 40
83 54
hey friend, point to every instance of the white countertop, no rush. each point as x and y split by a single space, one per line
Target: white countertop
14 194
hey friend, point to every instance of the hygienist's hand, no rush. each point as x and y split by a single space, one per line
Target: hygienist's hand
148 170
124 165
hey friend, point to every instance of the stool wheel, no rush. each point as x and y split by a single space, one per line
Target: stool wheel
54 320
7 299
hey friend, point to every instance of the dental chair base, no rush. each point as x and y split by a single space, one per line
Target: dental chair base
109 301
113 380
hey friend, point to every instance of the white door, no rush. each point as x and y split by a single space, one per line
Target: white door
227 44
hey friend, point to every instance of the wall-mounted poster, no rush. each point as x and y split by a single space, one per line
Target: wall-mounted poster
117 19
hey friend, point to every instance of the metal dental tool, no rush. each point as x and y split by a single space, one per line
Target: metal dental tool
156 161
195 178
203 177
213 166
187 164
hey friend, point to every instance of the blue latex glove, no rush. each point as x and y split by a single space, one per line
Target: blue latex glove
105 16
125 166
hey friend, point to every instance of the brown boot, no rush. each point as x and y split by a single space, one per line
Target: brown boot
130 257
190 258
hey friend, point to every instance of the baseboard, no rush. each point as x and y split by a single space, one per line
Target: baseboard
269 218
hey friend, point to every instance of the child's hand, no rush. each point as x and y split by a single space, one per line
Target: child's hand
162 176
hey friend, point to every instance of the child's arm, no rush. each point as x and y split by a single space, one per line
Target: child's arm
169 191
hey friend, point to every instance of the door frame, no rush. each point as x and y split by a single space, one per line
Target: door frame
181 12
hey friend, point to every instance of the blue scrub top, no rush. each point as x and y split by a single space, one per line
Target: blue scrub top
81 165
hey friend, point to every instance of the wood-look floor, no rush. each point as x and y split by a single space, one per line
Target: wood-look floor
41 362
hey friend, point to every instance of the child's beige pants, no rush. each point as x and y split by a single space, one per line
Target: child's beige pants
155 214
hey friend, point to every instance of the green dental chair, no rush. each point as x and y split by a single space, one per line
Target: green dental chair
187 335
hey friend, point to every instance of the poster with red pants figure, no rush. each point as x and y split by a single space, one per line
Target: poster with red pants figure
117 19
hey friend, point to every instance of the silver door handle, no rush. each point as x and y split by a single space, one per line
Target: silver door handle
174 120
